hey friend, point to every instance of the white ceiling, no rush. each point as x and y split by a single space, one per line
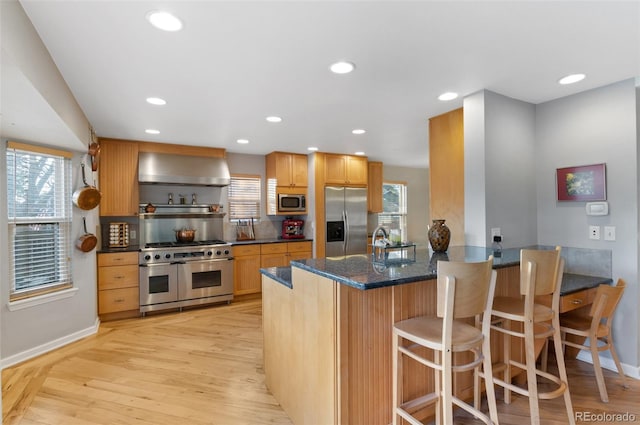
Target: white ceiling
236 62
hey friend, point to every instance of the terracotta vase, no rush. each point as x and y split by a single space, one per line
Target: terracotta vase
439 236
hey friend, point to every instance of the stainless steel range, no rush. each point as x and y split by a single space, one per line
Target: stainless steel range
176 275
179 275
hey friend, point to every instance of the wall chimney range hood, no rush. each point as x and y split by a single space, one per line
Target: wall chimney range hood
160 168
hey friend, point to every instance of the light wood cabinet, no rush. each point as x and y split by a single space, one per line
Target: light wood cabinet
299 250
274 255
118 289
345 169
446 172
374 188
118 174
246 269
249 259
288 169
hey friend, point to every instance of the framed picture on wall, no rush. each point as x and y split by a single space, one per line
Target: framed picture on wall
582 183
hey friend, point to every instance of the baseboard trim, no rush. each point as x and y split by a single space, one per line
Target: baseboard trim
609 364
49 346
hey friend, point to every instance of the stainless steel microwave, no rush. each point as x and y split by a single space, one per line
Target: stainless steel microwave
291 202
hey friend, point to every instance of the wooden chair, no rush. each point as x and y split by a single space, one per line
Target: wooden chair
464 291
597 327
540 274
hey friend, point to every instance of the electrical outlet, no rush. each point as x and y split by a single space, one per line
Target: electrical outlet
594 232
609 233
132 233
495 231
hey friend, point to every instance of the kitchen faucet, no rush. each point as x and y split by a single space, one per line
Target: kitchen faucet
375 234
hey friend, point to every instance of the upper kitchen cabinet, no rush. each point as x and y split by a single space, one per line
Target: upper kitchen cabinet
118 175
345 169
374 188
288 169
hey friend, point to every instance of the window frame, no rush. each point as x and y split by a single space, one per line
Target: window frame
61 219
401 215
233 217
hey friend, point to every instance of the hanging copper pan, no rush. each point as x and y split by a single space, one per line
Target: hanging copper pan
94 154
88 241
87 197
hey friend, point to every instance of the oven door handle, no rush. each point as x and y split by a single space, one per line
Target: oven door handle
162 264
214 260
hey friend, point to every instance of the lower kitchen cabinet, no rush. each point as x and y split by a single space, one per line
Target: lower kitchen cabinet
246 269
299 251
118 289
249 259
274 255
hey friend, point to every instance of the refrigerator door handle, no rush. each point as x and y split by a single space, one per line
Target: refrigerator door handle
346 230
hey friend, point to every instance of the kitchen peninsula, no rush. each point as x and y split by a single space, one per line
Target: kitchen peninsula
328 328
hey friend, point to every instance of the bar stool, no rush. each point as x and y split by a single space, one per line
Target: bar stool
596 327
464 290
540 274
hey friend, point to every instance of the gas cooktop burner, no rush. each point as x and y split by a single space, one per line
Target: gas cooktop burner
169 252
181 244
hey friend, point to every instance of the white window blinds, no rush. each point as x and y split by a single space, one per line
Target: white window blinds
39 218
244 197
394 207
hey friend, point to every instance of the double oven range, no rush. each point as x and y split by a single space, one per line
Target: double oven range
176 275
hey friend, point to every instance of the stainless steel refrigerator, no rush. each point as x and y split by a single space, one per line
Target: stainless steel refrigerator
346 221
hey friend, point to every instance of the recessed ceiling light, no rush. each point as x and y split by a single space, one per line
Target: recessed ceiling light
152 131
360 153
448 96
359 131
164 21
156 101
312 148
242 141
274 119
342 67
570 79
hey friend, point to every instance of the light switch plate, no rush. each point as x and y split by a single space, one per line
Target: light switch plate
609 233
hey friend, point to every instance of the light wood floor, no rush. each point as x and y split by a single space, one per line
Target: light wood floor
204 366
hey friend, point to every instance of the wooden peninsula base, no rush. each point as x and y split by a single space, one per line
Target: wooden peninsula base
327 347
328 335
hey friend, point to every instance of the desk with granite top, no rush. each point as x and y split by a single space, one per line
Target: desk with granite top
328 326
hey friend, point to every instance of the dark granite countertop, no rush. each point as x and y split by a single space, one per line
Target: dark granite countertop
279 274
268 240
360 271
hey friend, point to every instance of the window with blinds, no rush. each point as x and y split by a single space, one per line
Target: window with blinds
244 197
39 218
394 207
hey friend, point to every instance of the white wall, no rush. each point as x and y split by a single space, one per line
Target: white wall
596 126
42 327
499 138
34 330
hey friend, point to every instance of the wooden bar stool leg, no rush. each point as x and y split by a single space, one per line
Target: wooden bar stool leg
617 362
595 358
397 376
437 384
532 380
447 387
562 370
488 382
506 349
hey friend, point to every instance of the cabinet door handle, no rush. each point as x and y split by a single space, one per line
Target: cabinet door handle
118 300
118 277
576 301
